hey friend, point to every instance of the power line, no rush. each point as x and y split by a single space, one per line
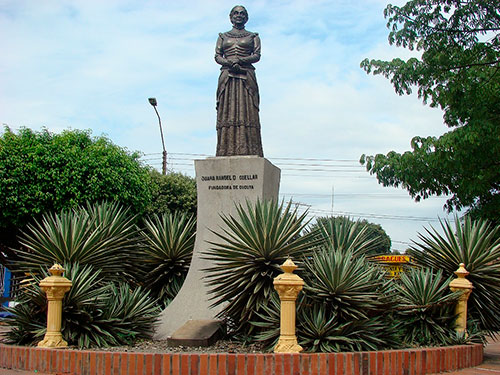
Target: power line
156 160
344 194
326 167
375 216
313 159
274 158
323 170
355 195
325 176
282 165
401 242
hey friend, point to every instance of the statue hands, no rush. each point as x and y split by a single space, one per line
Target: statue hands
236 65
236 68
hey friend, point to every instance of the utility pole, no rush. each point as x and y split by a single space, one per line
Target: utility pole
154 103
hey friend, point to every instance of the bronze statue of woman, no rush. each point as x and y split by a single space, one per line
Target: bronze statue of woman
238 125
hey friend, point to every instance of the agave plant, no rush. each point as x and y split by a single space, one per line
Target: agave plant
129 314
477 245
27 319
320 330
83 306
341 233
350 286
119 316
252 246
345 305
473 335
425 307
95 314
269 320
168 242
102 235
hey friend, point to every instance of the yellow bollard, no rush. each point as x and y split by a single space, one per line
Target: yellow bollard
288 287
55 287
464 285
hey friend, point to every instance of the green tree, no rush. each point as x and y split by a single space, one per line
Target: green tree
42 172
373 234
458 71
172 192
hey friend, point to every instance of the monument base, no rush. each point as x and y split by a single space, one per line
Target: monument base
221 182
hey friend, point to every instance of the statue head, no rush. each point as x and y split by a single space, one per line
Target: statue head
238 16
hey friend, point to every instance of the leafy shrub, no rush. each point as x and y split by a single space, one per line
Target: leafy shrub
168 242
171 193
252 246
477 245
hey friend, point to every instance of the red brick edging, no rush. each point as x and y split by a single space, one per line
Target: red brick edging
85 362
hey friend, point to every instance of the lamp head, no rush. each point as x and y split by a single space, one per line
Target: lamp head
153 102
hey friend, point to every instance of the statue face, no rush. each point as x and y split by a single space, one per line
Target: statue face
239 15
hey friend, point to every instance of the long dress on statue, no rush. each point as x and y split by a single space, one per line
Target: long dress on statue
238 124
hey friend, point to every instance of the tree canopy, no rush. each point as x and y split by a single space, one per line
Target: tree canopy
172 192
42 172
458 71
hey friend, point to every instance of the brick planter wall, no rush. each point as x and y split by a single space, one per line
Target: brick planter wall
85 362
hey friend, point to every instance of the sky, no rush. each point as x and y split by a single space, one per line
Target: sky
87 64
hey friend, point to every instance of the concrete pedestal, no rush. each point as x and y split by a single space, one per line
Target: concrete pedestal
221 182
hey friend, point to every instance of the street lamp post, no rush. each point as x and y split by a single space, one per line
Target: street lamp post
154 103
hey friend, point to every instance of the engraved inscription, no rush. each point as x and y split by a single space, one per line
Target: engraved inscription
219 187
245 179
225 177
